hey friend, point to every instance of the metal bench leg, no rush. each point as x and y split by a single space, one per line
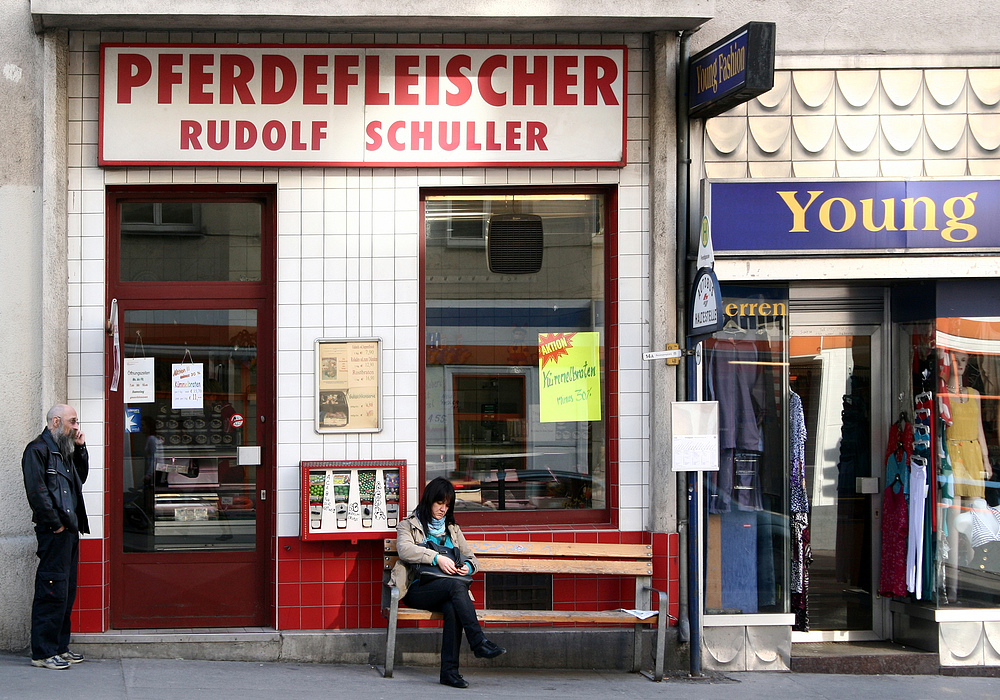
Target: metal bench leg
642 599
637 649
390 632
661 638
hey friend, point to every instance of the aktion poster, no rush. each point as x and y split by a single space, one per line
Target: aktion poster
569 377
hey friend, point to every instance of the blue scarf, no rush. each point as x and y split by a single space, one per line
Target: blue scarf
435 528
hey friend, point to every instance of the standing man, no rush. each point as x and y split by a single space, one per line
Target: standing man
55 465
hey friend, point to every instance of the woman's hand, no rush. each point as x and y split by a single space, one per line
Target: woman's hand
447 565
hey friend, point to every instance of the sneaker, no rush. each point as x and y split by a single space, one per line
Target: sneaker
454 680
56 663
71 656
488 650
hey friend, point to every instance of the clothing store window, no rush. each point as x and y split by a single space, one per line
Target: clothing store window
949 438
745 370
517 353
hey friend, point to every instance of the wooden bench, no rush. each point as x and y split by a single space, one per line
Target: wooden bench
635 561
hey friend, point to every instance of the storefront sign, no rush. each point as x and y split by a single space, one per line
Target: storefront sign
569 377
706 303
347 386
854 216
216 104
732 71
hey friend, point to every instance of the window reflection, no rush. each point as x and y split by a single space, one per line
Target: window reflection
968 422
490 296
177 241
184 488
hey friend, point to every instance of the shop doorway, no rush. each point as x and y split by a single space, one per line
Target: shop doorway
838 371
191 450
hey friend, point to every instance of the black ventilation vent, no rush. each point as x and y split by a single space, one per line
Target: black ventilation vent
514 244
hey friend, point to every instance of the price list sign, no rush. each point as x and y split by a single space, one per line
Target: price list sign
348 390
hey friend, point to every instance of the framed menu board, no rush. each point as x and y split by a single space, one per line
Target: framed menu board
348 390
352 499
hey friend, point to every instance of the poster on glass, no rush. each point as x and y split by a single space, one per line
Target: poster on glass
348 391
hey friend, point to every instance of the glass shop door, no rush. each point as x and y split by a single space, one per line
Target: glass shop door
838 373
191 449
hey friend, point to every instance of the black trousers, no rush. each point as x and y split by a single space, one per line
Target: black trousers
449 597
55 592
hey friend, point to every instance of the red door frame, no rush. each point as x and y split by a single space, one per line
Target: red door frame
231 567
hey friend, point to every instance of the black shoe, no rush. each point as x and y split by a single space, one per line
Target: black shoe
454 680
488 650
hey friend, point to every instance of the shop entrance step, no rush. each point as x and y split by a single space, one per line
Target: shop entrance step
863 658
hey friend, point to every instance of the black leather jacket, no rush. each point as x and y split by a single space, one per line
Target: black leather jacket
51 483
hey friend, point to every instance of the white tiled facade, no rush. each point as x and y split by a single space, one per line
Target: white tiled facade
349 242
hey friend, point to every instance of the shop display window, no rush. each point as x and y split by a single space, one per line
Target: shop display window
517 356
947 450
747 500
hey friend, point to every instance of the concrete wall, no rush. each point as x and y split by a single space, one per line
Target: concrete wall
21 411
862 27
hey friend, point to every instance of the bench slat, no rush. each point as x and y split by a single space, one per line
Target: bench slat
562 549
565 566
556 566
552 549
552 616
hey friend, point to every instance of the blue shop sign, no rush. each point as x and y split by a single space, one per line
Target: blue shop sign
732 71
854 216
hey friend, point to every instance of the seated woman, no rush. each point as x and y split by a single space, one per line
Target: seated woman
434 520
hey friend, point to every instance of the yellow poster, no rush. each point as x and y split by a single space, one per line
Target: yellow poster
569 377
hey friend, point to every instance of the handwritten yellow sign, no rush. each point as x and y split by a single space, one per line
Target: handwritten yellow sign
569 377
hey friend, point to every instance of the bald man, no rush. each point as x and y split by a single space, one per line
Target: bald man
55 465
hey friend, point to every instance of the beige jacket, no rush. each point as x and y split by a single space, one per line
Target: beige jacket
409 545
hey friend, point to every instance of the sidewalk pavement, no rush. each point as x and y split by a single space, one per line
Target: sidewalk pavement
179 679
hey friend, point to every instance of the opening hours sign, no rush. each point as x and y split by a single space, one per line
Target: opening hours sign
215 104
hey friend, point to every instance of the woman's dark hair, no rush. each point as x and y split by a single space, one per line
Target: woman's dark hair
439 489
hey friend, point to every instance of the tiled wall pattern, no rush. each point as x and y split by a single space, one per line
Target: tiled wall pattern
348 247
899 123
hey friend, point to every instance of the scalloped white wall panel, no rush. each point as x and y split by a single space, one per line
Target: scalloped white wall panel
858 87
863 123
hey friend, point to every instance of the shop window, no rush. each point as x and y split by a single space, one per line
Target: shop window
515 376
948 471
747 500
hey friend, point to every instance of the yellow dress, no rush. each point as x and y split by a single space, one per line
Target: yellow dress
964 450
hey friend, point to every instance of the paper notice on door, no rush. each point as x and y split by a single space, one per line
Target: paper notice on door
187 385
139 380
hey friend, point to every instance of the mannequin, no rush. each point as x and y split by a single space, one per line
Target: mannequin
978 512
969 456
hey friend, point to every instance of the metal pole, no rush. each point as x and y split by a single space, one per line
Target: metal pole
686 380
694 550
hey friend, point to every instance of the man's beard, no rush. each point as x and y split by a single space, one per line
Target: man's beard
67 446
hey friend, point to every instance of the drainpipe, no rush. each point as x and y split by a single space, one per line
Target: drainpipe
687 483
